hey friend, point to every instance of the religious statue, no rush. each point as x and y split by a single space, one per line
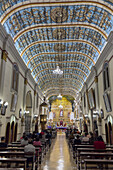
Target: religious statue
61 112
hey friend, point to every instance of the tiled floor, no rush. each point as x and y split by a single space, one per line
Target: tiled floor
59 156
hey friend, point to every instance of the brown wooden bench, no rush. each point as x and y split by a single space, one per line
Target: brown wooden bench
8 161
12 154
11 168
19 145
77 156
97 162
94 155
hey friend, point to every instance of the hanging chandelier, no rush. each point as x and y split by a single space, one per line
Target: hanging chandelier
59 97
60 106
57 71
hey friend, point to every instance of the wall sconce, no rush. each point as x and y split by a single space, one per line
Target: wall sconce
35 116
1 103
86 116
3 107
6 104
25 111
20 113
96 112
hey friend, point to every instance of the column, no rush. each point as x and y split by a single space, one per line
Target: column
3 67
86 94
97 101
24 98
91 120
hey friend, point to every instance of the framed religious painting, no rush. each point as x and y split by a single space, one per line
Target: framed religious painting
91 99
13 102
107 102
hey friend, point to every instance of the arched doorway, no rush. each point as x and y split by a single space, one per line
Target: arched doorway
12 132
110 132
106 130
7 135
85 128
15 134
36 125
109 129
95 128
28 112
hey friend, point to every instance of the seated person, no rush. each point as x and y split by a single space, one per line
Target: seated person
99 144
91 138
24 134
29 149
3 144
37 143
24 141
85 139
77 141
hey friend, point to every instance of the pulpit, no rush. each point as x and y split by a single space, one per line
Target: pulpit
43 121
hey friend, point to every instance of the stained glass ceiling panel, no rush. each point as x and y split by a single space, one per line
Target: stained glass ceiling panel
70 34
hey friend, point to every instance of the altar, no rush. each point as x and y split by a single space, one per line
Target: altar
62 128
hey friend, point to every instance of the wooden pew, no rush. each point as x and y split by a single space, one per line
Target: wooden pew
77 158
94 155
91 146
11 168
87 146
14 160
19 145
97 162
12 154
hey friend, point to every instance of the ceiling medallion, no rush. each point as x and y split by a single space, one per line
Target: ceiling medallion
59 47
59 34
59 14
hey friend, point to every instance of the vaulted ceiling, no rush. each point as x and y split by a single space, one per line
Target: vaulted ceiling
71 34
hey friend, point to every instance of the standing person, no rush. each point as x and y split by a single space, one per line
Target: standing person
29 149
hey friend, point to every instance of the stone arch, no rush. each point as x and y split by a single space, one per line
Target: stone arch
7 135
109 129
12 131
15 133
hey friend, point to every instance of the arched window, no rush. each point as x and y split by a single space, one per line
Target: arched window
15 78
106 76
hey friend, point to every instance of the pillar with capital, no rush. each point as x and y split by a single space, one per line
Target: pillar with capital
3 63
97 100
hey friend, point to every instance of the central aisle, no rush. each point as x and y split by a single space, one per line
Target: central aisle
59 157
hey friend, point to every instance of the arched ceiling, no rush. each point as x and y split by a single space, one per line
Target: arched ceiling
71 34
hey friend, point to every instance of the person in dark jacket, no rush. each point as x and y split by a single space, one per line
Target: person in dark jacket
77 141
3 144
